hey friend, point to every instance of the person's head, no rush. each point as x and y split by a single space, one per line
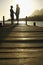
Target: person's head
17 5
11 7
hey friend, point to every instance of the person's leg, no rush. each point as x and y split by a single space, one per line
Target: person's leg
12 19
18 19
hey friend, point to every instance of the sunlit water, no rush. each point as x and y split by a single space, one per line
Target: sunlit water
38 23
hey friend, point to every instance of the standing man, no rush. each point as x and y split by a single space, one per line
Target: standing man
17 12
12 14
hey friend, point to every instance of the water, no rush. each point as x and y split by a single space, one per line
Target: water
38 23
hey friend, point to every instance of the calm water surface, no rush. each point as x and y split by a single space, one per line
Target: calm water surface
38 23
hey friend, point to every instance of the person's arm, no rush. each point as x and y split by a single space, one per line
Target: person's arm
15 13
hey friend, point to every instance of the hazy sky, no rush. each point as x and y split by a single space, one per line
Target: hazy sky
26 7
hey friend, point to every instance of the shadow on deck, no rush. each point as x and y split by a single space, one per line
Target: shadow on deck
5 31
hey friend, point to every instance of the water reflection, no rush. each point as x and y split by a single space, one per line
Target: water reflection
38 23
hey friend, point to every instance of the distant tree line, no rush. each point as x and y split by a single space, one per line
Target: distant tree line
35 18
31 18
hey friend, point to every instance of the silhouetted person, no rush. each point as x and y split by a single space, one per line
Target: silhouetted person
17 12
12 14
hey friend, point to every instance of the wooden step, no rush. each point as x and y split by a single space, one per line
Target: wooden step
20 45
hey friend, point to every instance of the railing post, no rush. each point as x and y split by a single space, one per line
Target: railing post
26 20
3 20
34 24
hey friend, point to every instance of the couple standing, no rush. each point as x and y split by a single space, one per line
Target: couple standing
16 13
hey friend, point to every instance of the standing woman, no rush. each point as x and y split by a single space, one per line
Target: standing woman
12 14
17 12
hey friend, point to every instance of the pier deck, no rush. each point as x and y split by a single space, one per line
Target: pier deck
21 45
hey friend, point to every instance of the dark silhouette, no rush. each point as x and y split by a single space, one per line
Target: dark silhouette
3 20
0 24
34 24
12 14
17 12
26 20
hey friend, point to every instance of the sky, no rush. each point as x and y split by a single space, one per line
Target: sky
26 7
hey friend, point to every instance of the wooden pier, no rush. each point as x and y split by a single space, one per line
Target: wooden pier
21 45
